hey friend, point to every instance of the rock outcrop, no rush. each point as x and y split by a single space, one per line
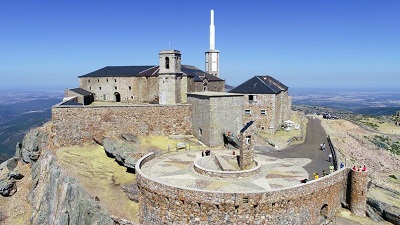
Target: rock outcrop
8 176
29 149
125 152
55 196
59 199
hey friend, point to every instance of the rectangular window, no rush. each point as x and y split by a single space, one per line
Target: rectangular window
99 88
247 111
115 87
252 98
263 112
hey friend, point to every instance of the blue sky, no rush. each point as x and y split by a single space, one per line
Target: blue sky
304 44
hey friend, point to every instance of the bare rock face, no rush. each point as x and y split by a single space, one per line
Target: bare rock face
382 199
29 149
59 199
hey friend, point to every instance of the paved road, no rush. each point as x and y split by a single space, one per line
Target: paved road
309 149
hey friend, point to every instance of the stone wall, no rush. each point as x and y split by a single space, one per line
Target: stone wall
76 124
304 204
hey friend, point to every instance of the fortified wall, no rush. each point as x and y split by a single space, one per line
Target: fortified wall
307 203
74 125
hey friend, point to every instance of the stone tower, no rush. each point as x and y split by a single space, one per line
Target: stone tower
246 159
170 75
212 55
358 192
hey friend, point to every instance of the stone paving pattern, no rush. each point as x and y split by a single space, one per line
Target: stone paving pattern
177 170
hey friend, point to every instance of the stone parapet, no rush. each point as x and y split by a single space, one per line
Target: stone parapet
307 203
227 174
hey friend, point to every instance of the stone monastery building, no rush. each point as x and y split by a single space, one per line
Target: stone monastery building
166 83
170 87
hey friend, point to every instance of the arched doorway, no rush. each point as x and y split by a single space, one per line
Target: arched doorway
117 97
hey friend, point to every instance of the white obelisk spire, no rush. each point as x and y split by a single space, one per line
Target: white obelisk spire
212 32
212 55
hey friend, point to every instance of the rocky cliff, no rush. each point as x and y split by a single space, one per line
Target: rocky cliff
53 196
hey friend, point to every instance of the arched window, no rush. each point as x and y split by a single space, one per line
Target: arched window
166 62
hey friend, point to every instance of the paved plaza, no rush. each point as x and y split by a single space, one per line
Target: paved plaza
278 169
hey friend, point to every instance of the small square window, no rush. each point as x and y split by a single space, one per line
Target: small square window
115 80
247 111
263 112
130 88
252 97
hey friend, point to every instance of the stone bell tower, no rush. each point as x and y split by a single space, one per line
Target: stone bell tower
169 77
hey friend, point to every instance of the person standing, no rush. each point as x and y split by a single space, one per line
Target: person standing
323 146
331 168
330 157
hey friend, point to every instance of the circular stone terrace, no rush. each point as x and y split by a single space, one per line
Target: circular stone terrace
179 170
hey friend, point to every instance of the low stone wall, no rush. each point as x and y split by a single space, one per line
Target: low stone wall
304 204
77 124
226 174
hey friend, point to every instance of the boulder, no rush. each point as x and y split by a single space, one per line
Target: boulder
7 187
18 150
130 138
130 162
12 163
124 152
15 175
33 141
109 147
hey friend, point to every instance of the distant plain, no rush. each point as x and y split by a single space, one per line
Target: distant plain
21 111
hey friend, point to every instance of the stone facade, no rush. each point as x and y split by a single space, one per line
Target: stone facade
215 113
129 89
267 110
74 125
307 203
166 83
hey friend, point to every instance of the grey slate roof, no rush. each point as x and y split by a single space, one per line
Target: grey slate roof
81 91
135 71
260 85
118 71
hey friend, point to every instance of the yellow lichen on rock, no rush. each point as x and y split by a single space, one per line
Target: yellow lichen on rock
101 177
